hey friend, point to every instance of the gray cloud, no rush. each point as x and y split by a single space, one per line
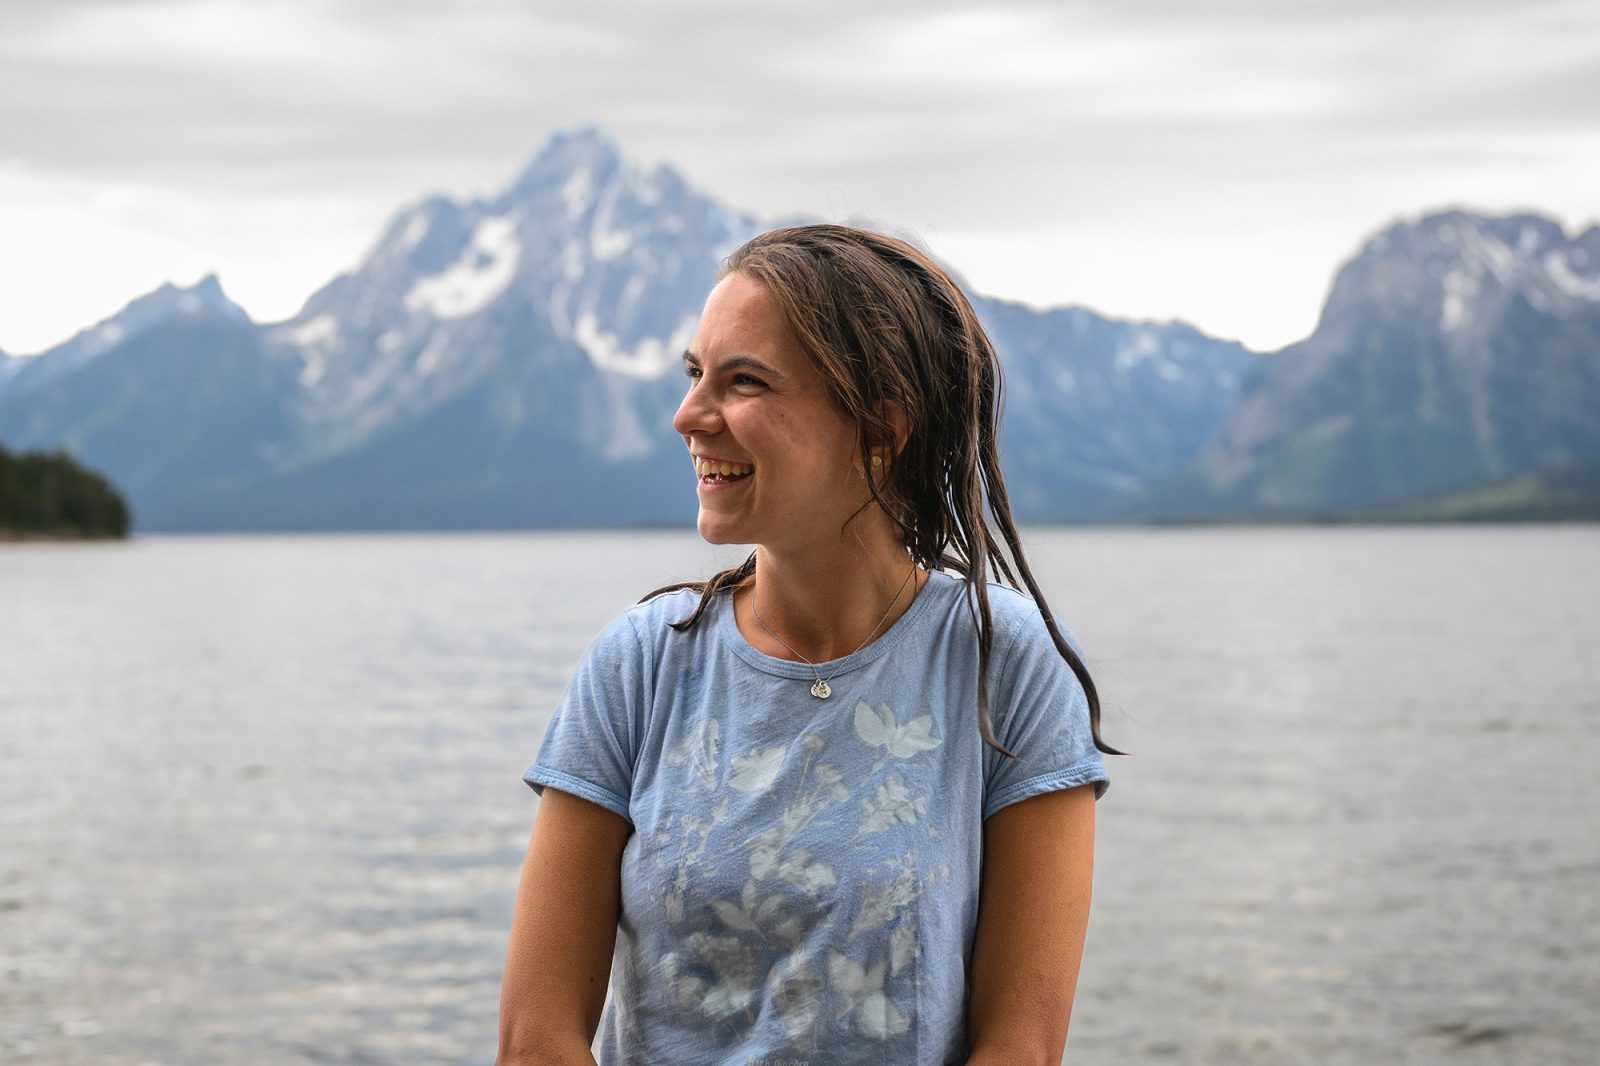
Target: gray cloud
1155 116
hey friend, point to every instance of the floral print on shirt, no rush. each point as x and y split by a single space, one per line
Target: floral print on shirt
714 974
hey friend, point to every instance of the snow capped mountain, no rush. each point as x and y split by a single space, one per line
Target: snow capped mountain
510 361
1453 349
172 399
556 311
204 299
1097 408
586 264
1469 267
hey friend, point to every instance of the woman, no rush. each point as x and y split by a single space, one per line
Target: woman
773 798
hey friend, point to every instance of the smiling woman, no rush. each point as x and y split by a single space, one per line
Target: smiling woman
835 804
757 403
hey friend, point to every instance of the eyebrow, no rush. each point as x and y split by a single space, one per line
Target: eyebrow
737 362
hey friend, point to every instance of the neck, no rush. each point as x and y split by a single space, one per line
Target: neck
824 602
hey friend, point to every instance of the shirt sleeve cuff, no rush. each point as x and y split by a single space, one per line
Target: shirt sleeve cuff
538 777
1081 774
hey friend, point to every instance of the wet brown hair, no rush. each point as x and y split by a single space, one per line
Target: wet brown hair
884 323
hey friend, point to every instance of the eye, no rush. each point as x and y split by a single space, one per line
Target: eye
746 379
691 371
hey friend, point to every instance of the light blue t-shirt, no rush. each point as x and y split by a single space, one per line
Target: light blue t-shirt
802 880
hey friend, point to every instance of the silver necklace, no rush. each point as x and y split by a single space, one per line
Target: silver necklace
820 689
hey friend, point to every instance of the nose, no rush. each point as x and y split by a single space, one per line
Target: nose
698 413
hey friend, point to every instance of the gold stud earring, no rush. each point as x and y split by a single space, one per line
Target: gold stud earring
877 461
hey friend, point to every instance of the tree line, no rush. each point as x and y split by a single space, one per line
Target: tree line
48 494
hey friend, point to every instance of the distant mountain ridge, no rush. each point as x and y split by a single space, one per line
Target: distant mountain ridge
511 361
1453 349
168 301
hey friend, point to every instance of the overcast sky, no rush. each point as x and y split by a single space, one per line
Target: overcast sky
1212 161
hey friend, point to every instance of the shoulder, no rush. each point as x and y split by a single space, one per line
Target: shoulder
1020 631
666 608
671 605
1008 605
1017 618
646 626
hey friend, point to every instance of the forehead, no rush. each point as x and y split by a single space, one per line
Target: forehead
742 317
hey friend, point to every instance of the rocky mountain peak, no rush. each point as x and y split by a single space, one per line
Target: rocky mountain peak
203 299
1463 267
568 158
1443 342
587 264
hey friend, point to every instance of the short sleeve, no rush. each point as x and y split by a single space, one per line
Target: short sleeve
592 743
1041 713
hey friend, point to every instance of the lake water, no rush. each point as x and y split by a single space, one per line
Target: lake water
260 796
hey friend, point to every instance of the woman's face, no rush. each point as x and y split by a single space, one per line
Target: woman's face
757 404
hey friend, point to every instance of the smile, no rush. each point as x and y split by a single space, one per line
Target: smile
715 472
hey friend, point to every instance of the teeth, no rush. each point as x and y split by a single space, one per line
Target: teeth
707 468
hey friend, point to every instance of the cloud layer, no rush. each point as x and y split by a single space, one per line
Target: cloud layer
1157 159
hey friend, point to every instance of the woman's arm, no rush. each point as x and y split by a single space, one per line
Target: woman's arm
563 933
1033 910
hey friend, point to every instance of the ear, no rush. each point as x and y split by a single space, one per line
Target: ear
899 425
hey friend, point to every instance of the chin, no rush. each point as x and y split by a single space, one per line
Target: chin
715 531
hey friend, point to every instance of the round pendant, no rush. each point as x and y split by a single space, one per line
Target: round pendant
821 690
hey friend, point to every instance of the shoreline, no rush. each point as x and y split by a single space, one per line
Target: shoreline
29 536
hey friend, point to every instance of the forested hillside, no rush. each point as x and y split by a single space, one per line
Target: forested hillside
47 494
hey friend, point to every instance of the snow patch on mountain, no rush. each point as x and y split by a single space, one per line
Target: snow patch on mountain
315 366
607 243
415 230
1063 378
1491 252
108 334
1145 345
577 191
607 240
1569 281
323 329
649 358
1460 289
428 361
487 265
